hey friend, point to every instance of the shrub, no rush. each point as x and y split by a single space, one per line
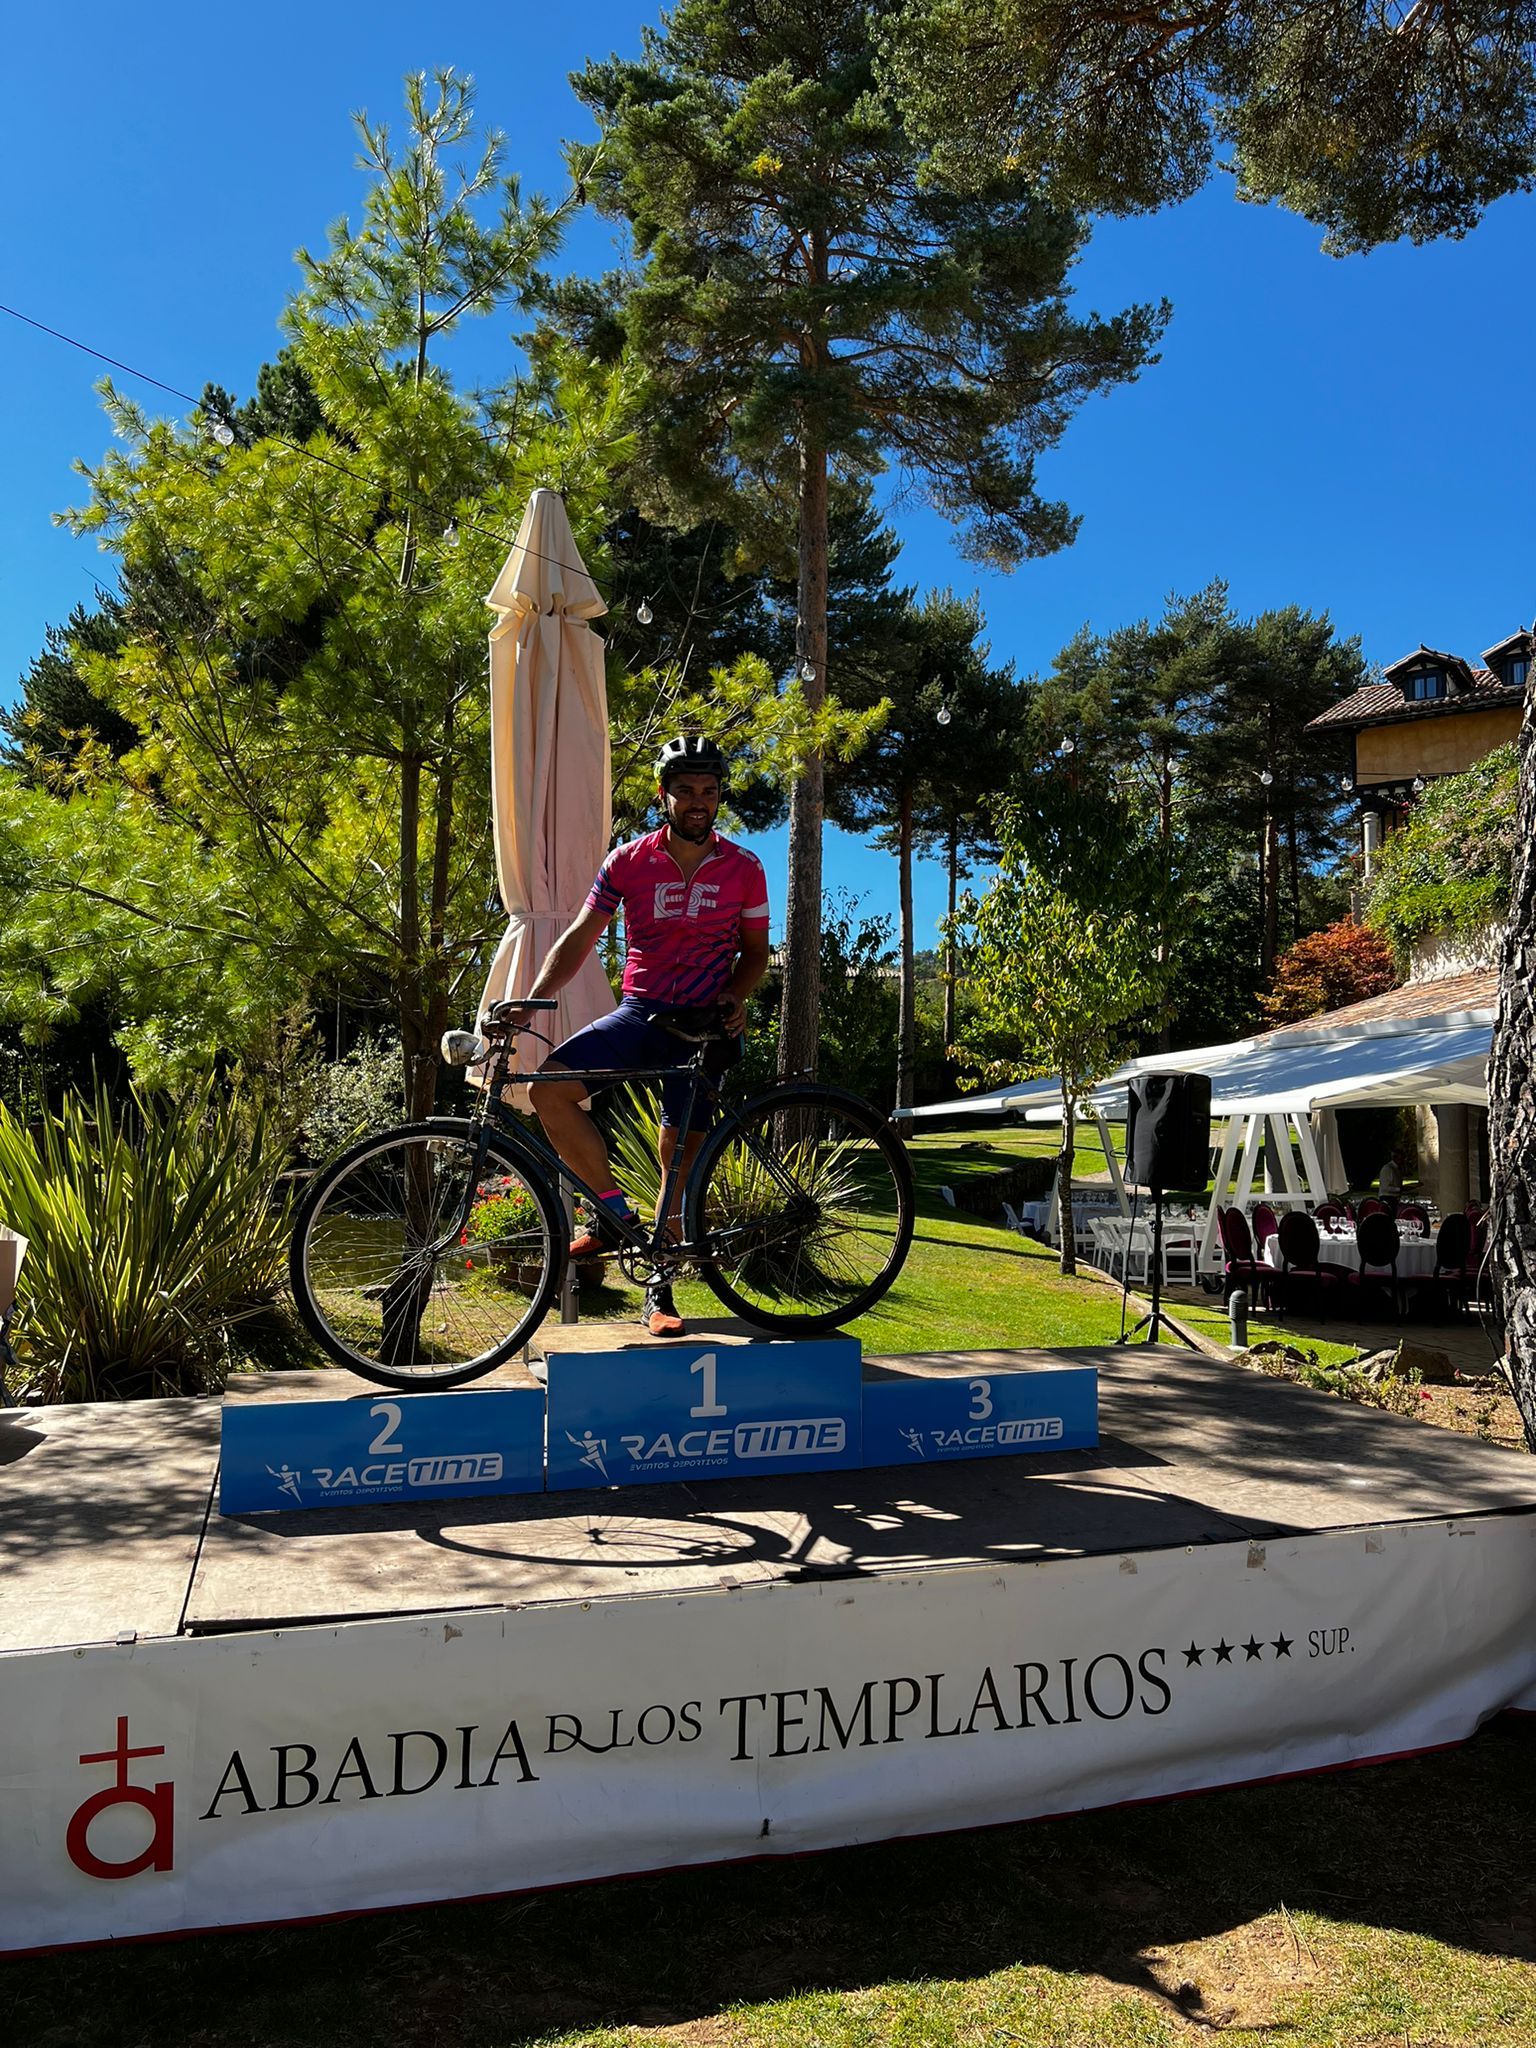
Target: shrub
1344 964
1449 868
507 1212
352 1098
154 1232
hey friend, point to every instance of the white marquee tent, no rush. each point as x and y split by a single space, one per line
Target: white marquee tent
1281 1083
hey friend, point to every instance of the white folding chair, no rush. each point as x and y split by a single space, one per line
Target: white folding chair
1179 1250
1138 1252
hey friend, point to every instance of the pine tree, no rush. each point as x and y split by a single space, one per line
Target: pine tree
809 307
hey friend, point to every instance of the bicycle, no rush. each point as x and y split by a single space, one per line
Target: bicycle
797 1213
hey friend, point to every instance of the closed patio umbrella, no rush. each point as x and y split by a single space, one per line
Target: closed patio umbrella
551 785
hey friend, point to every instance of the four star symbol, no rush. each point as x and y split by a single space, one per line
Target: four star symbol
1223 1651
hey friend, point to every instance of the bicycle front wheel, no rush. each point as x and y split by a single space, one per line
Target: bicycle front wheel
803 1200
424 1256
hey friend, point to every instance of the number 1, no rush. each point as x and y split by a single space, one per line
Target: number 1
709 1405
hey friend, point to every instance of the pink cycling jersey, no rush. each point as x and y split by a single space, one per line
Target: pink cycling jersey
681 935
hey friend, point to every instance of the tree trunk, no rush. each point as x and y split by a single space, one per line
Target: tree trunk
418 1052
1294 861
1064 1184
800 1013
906 1001
1512 1103
1165 849
1270 878
949 941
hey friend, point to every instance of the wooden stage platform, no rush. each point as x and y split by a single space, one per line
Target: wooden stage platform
219 1721
110 1527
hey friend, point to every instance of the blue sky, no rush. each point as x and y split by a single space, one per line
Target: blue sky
1351 437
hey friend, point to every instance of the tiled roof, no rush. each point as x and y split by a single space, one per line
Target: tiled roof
1378 703
1452 995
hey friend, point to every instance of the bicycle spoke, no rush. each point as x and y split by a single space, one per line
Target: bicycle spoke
417 1261
807 1210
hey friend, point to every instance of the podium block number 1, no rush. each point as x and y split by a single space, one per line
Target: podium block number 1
709 1406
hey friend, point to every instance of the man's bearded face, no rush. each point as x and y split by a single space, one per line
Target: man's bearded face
691 802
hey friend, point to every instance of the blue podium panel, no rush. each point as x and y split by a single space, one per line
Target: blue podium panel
703 1411
335 1454
982 1415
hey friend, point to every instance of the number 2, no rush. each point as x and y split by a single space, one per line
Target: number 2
386 1440
705 1366
981 1400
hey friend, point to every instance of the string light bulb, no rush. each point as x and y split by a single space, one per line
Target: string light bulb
807 671
451 533
1346 785
643 612
1069 746
1418 785
223 433
944 714
1265 777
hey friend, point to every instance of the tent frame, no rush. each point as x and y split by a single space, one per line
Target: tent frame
1117 1178
1242 1154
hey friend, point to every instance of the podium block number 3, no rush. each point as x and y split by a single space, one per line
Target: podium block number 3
981 1400
708 1406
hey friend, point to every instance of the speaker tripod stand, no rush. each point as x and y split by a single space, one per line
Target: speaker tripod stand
1156 1320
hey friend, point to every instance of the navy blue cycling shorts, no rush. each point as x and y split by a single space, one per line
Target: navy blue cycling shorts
628 1038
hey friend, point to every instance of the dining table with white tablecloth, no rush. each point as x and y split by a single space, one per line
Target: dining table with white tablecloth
1415 1255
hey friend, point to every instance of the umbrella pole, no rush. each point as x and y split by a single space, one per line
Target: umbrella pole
570 1311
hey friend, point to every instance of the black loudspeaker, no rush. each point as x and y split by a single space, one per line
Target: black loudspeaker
1168 1131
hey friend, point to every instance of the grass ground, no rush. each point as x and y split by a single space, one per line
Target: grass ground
1366 1909
1386 1908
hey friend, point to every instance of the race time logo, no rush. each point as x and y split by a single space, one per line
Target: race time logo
809 1436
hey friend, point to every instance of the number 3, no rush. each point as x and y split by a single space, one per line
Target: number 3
981 1400
386 1440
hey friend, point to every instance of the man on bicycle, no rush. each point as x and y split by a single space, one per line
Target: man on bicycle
695 938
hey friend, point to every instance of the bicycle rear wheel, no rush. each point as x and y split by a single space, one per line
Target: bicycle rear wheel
420 1261
803 1199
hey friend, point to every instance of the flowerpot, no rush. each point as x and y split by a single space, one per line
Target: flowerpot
511 1268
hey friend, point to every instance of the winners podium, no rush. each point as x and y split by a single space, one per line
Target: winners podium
644 1416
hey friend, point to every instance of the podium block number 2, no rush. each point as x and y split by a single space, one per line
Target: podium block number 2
709 1406
386 1440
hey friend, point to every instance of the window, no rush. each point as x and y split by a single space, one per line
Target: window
1427 683
1513 673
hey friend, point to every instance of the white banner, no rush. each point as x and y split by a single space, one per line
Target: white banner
224 1780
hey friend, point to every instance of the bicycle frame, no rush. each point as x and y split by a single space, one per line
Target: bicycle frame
660 1247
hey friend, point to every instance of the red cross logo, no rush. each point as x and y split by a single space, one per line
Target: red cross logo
157 1801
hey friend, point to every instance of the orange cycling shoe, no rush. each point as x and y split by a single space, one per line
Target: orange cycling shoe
599 1236
659 1317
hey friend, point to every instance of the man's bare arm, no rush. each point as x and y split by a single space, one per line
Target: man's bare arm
751 966
568 952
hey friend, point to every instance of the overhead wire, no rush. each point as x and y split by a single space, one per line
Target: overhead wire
283 440
314 455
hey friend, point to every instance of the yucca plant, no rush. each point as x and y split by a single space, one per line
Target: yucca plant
636 1125
785 1259
155 1230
